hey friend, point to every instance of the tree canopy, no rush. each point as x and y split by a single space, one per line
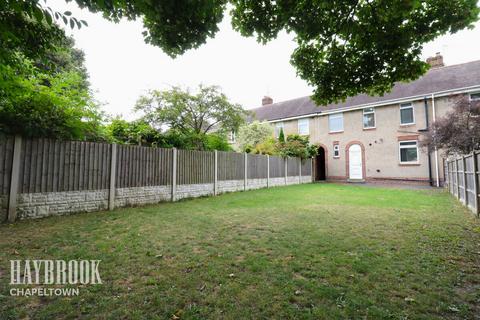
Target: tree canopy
296 146
139 132
252 134
203 112
458 131
344 47
44 88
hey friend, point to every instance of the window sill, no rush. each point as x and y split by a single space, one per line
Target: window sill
369 129
407 124
406 164
335 132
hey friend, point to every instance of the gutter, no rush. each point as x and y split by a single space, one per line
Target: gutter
436 94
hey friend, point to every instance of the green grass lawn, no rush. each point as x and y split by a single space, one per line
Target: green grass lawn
319 251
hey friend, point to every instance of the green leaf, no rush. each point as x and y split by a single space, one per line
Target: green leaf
84 23
38 14
72 23
48 17
67 13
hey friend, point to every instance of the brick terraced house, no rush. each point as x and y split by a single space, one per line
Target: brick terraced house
377 138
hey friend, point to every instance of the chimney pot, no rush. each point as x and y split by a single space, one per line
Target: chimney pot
437 61
266 100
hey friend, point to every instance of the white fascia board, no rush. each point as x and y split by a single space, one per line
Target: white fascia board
437 94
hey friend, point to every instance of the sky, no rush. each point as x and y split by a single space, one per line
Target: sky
122 67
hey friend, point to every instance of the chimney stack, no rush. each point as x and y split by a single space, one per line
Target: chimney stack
437 61
266 100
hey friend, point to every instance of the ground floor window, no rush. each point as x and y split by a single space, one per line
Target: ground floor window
336 151
408 151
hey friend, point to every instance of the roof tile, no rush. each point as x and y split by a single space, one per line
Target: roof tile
435 80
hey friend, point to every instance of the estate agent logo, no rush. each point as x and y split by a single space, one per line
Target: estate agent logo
52 272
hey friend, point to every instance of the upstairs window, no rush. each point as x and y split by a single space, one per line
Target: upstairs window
303 128
475 96
335 122
278 128
408 152
406 113
232 137
368 118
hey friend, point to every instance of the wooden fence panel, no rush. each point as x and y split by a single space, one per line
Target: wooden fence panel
53 166
139 166
455 178
230 166
460 179
451 183
292 167
277 167
469 182
462 176
195 167
257 166
306 167
6 156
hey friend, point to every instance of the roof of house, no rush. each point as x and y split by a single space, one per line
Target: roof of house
435 80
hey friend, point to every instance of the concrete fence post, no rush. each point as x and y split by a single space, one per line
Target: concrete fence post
465 180
475 183
14 180
446 177
311 170
299 171
268 171
215 170
245 171
113 174
174 174
286 170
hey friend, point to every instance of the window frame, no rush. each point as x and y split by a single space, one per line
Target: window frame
404 106
304 121
336 149
374 118
407 147
279 125
336 115
474 93
232 137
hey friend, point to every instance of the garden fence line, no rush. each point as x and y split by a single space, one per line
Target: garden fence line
42 177
462 179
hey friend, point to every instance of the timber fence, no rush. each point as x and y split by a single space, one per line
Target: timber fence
462 179
44 177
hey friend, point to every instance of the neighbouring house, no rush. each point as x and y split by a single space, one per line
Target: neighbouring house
377 138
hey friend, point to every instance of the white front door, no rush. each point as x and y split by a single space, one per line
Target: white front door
355 162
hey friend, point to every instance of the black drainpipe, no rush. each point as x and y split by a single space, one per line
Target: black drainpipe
426 129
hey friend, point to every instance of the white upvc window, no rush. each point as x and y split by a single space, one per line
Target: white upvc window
408 151
368 118
475 96
232 137
278 127
303 127
336 151
407 115
335 122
